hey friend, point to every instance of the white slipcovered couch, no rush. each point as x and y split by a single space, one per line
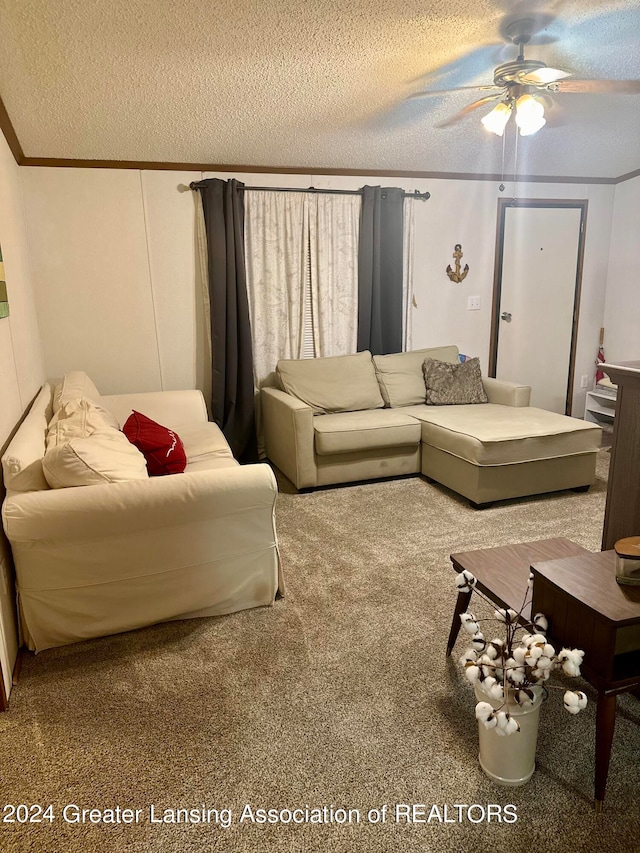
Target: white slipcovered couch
130 550
359 417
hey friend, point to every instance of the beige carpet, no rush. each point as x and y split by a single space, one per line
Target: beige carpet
338 696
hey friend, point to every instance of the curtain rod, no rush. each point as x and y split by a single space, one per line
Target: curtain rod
423 196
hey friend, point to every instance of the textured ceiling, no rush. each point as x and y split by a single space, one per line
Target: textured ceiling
310 83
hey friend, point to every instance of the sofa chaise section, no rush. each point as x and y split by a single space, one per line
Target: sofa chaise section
491 452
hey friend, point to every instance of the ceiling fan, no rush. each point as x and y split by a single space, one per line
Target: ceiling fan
522 86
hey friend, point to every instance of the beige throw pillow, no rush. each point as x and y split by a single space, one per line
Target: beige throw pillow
453 384
343 383
77 418
75 384
103 457
400 374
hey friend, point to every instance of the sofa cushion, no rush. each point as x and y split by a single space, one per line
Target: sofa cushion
490 434
75 384
453 384
77 418
22 460
344 383
162 447
400 374
350 432
103 457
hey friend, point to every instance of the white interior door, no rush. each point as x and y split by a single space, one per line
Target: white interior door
540 251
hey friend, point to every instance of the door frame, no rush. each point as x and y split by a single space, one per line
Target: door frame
503 205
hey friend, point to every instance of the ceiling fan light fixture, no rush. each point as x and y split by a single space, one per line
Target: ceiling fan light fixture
529 115
496 120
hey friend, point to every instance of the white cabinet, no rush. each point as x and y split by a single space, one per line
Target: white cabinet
600 407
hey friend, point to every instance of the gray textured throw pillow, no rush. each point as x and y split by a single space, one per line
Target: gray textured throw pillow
453 384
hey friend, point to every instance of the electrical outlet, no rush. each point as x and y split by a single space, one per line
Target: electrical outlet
584 382
473 303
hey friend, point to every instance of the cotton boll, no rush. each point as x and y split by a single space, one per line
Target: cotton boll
469 655
544 662
572 702
490 723
512 726
465 581
582 699
469 623
501 615
569 667
478 641
530 581
540 622
548 650
516 675
533 654
488 683
525 697
519 654
491 652
483 711
472 672
496 691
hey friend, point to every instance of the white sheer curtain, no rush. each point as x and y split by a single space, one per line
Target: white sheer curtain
407 271
295 242
334 225
276 229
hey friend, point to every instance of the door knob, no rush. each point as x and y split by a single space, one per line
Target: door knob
506 316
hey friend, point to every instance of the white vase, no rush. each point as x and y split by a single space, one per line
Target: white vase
510 759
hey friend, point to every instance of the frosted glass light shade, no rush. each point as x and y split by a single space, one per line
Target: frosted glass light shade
496 120
529 115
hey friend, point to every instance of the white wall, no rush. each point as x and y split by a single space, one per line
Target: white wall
114 270
21 372
622 307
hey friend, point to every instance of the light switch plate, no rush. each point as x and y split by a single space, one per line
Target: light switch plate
473 303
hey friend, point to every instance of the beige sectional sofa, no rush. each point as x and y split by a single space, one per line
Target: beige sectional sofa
358 417
129 550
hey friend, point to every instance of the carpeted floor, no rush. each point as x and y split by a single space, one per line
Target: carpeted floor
338 697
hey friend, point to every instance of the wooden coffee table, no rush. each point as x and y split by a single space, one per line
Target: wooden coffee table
502 573
577 591
588 609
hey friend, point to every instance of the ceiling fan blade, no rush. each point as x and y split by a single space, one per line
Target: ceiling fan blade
597 87
428 93
469 108
543 76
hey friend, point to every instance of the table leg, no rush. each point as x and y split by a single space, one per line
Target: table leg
461 605
605 723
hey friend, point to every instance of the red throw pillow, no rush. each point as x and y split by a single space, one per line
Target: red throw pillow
161 447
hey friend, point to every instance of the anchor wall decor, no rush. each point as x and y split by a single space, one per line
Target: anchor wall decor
456 275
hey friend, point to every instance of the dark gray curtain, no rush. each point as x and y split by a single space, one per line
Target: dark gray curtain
232 392
380 270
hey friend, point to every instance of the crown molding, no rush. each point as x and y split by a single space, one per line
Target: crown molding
58 162
629 176
143 165
10 135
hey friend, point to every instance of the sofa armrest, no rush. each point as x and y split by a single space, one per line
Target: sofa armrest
506 393
98 513
288 435
169 408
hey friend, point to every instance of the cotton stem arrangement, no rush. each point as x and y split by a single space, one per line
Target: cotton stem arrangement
513 669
